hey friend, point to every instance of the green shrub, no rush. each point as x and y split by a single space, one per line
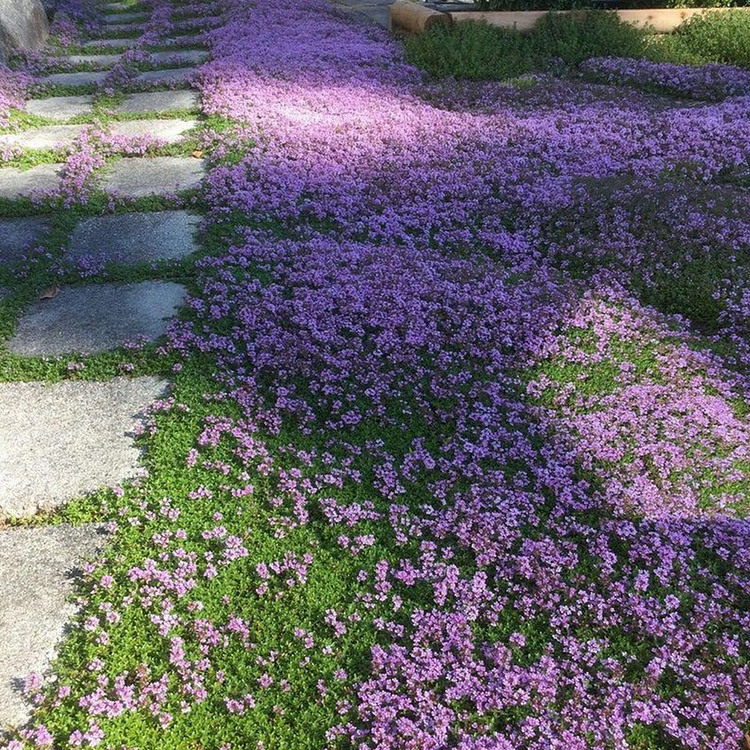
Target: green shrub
510 5
722 37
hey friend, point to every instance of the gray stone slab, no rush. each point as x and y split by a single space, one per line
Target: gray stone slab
134 238
38 568
96 317
60 107
170 131
125 43
15 183
102 61
62 440
116 19
48 137
18 236
161 175
23 26
167 75
83 78
183 40
180 57
160 101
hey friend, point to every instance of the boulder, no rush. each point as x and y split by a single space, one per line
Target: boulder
24 26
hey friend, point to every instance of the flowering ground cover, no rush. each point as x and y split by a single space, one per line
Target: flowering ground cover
456 454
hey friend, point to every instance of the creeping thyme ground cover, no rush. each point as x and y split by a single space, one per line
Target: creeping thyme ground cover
456 453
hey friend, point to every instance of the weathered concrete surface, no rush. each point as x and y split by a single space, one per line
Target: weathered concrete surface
62 440
102 61
17 236
180 57
170 131
47 137
83 78
15 183
60 107
167 75
137 237
37 576
115 19
125 43
96 317
23 26
160 101
161 175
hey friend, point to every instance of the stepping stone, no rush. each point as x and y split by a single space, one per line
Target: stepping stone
96 317
60 107
103 61
160 101
126 43
183 40
37 578
48 137
15 183
180 57
18 236
84 78
62 440
116 19
170 131
167 75
134 238
160 175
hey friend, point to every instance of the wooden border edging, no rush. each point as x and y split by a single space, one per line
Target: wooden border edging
414 16
658 20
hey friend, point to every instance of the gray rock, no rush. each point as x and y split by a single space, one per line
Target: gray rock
60 107
15 183
180 57
38 567
125 43
183 40
17 236
161 175
24 26
83 78
160 101
170 131
133 238
116 19
101 61
96 317
62 440
167 75
48 137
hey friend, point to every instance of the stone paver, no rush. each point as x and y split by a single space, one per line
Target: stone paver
37 575
180 57
116 19
96 317
167 75
170 131
61 440
103 61
160 101
60 107
17 236
83 78
15 183
137 237
48 137
160 175
125 43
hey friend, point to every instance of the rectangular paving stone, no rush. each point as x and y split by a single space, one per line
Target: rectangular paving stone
116 19
95 317
134 238
125 43
60 107
62 440
160 101
15 183
38 568
18 236
83 78
167 75
102 61
161 175
170 131
180 57
47 136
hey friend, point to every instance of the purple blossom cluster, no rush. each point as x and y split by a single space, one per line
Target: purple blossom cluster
706 82
13 91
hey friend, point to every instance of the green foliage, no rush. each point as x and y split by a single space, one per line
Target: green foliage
719 36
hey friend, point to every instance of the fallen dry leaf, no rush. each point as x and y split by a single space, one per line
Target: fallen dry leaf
197 153
50 292
747 741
